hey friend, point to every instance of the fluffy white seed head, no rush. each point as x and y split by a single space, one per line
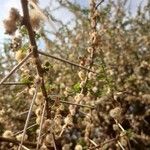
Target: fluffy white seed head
8 134
47 124
19 55
94 89
115 113
39 98
49 138
19 137
35 18
78 147
79 97
68 120
32 91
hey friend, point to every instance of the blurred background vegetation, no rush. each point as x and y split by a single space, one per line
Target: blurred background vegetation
122 79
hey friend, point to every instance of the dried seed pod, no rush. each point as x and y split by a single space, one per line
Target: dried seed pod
14 14
35 18
66 147
38 120
116 113
49 139
78 147
32 91
19 137
10 24
10 27
68 120
38 111
16 43
81 75
90 49
94 89
39 99
43 147
72 110
124 141
79 97
115 127
47 124
19 55
8 134
82 84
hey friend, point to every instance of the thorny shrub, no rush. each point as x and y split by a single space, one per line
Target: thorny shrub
107 107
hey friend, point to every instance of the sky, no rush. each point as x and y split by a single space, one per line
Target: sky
6 5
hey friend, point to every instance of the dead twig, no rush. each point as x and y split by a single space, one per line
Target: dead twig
16 142
70 103
99 3
65 61
54 141
15 83
41 123
31 33
27 120
26 129
15 68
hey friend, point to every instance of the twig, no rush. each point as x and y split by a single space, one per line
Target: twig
119 125
27 129
121 145
93 142
63 129
22 113
65 61
15 83
70 103
15 68
99 3
28 117
101 145
104 143
16 142
41 123
25 147
54 141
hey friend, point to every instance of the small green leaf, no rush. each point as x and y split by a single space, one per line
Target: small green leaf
76 87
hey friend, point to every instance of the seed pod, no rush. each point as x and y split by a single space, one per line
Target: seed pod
115 113
19 137
32 91
39 99
38 111
78 147
19 55
79 97
8 134
81 75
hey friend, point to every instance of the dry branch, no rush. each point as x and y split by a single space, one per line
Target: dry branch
70 103
65 61
27 120
15 83
31 33
16 142
15 68
26 129
41 123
